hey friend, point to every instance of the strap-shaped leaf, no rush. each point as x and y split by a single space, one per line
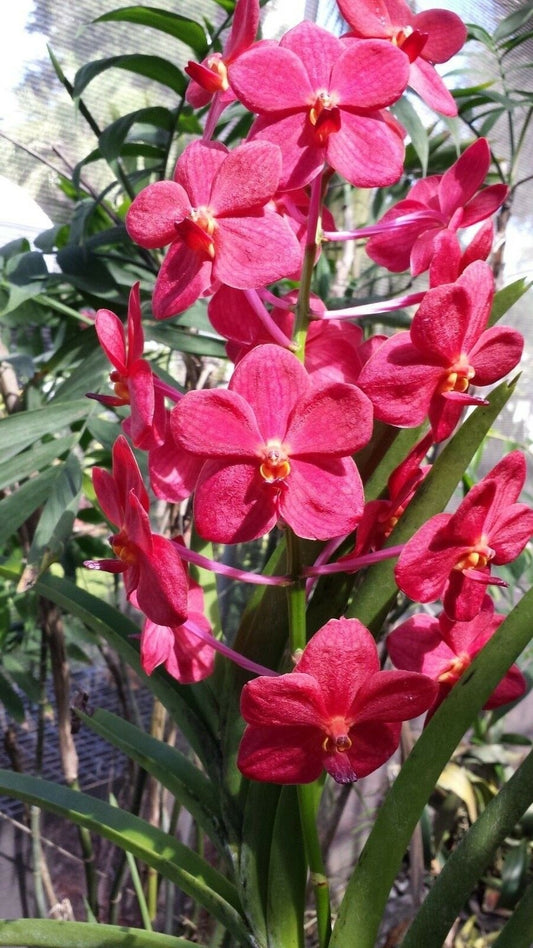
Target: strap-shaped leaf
20 430
152 67
367 892
180 27
507 297
518 932
173 770
33 459
112 139
163 852
51 933
190 705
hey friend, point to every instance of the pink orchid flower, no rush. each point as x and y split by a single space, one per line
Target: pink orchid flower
210 77
429 369
426 38
132 376
443 649
450 557
218 218
381 516
154 575
185 656
328 106
337 711
441 202
277 448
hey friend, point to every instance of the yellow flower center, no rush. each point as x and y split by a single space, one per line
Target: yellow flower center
477 558
198 230
123 549
324 116
120 386
275 464
458 377
218 67
455 669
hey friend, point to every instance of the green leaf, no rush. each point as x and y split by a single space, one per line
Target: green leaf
181 340
20 430
50 933
367 892
180 27
173 770
510 24
57 518
378 588
112 139
152 67
10 699
17 507
507 297
33 459
189 705
286 875
472 856
415 128
518 932
172 859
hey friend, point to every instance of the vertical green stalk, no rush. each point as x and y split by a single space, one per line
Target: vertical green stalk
301 322
307 793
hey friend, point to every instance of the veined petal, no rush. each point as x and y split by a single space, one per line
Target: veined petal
152 218
254 76
135 330
400 382
291 699
497 351
271 380
216 424
425 80
283 755
484 204
425 562
184 276
254 250
340 657
368 19
248 178
372 745
446 34
162 588
318 50
367 150
243 28
322 499
417 645
112 338
440 324
394 696
233 504
302 158
126 473
332 420
460 182
196 168
370 74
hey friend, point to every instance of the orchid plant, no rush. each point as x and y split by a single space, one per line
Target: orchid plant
335 450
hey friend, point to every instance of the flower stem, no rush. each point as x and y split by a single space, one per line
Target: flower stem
302 312
307 793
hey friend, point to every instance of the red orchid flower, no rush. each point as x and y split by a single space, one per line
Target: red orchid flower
278 448
381 516
429 369
443 649
154 575
450 557
328 106
132 375
337 711
185 656
449 201
432 36
210 77
218 218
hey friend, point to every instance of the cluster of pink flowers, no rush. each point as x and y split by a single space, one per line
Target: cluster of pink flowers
275 447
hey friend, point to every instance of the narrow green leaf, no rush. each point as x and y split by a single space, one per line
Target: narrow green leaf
189 705
20 430
58 515
180 27
287 875
112 139
518 932
505 298
17 507
415 128
50 933
470 859
255 848
163 852
152 67
378 588
33 459
181 340
10 699
510 24
173 770
367 892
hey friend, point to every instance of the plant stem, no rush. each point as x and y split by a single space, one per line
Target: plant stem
308 794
